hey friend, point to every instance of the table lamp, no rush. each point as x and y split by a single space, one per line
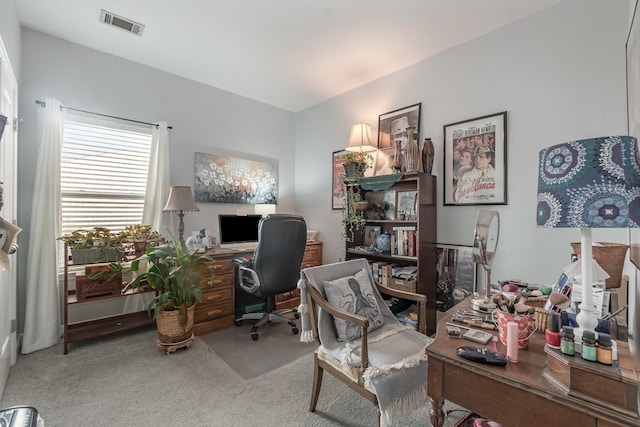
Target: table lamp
181 201
360 138
590 183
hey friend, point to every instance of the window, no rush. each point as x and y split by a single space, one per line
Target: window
103 174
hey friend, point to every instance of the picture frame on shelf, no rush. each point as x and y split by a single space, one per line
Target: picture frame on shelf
371 233
456 275
337 187
475 161
393 125
406 205
386 200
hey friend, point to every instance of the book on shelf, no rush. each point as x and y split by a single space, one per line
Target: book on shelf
405 237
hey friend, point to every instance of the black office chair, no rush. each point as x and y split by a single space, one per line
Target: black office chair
274 269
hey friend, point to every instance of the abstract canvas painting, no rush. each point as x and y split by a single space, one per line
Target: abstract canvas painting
224 179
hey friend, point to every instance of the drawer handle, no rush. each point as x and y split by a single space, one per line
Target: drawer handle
213 312
216 267
215 282
214 297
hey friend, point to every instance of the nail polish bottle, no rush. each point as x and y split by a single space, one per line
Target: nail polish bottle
552 335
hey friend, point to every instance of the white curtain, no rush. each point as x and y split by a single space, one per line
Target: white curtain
42 326
158 180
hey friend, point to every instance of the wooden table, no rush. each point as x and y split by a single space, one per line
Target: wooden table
515 395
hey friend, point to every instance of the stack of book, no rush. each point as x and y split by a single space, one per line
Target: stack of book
403 241
394 276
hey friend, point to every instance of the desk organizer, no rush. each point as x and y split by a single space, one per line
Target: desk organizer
594 382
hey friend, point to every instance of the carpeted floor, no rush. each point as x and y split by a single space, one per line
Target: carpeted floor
124 380
277 346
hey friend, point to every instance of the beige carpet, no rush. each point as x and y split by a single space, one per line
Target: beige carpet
124 380
277 346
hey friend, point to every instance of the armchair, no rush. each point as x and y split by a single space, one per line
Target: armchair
274 268
359 340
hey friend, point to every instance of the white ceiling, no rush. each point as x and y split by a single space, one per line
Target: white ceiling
291 54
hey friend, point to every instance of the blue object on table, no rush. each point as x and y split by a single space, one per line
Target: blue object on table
569 319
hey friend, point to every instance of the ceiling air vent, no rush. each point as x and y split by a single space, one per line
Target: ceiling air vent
114 20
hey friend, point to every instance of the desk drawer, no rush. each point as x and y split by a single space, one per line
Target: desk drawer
213 310
312 254
215 295
219 281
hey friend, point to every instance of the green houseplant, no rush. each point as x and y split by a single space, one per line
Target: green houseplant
175 274
142 237
355 165
96 245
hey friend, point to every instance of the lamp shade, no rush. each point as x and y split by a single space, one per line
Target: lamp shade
180 199
360 138
593 183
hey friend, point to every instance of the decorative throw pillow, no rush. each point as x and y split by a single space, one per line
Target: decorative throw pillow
355 295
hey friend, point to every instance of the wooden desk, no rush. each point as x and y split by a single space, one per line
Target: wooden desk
515 395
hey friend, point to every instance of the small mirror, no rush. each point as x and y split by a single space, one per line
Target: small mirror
485 243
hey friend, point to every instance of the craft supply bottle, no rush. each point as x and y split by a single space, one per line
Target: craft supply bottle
552 334
589 351
605 352
567 344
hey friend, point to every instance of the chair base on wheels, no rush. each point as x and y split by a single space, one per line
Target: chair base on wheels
264 318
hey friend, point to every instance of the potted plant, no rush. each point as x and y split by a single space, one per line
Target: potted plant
96 245
175 274
142 237
355 165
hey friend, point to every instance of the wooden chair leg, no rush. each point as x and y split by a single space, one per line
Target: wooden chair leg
317 383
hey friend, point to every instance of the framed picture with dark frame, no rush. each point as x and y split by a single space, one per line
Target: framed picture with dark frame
337 188
393 125
456 275
475 161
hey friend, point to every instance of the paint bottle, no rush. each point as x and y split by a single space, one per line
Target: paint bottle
589 351
567 343
605 352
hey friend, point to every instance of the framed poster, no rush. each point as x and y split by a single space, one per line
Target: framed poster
456 273
475 161
337 188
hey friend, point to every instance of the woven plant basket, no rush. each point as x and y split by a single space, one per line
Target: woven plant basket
175 326
610 256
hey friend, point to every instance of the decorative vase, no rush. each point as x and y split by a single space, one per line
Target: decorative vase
411 152
427 155
383 242
397 156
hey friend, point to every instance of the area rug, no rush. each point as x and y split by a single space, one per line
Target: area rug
276 347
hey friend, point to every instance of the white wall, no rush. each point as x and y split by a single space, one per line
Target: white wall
560 74
204 119
10 34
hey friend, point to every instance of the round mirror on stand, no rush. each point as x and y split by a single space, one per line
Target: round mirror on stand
485 243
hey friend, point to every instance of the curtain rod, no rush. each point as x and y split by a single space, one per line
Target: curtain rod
42 103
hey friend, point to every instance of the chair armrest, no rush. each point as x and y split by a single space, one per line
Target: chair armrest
242 262
254 276
420 299
315 297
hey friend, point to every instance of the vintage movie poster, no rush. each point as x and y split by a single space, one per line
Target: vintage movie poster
475 161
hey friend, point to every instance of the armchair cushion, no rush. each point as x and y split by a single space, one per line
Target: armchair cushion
355 295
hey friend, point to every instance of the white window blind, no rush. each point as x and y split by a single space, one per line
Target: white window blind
103 174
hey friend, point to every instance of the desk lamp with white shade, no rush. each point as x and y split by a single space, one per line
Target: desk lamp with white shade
590 183
181 201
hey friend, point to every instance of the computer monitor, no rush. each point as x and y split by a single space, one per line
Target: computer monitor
238 230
